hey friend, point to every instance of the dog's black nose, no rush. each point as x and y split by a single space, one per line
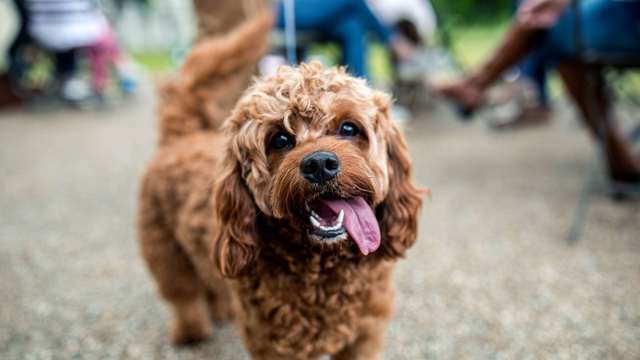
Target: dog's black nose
320 167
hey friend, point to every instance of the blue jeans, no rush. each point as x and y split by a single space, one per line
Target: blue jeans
345 21
607 26
534 67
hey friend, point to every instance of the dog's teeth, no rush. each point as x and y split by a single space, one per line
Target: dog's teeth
338 224
315 222
306 206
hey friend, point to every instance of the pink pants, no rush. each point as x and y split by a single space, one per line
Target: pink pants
103 54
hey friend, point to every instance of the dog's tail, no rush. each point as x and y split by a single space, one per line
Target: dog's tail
212 78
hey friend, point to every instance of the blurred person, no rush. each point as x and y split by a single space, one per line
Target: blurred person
548 27
415 19
348 22
104 55
532 75
63 26
66 26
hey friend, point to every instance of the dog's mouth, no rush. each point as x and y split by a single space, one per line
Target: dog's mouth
335 219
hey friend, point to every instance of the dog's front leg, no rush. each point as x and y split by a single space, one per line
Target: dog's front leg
368 346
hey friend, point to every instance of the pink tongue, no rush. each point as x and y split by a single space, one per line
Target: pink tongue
360 222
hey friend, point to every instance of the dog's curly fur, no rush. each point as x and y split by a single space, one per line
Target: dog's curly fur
227 196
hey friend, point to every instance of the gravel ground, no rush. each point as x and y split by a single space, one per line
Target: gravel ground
490 277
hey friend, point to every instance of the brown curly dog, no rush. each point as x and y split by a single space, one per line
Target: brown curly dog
290 219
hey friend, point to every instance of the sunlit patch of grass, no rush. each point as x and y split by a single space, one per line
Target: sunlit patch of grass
154 61
472 44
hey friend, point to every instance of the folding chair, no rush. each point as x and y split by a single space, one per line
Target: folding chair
598 64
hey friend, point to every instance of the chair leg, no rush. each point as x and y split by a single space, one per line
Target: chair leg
614 189
600 128
580 213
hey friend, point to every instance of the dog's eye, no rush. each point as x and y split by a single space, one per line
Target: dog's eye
282 140
348 129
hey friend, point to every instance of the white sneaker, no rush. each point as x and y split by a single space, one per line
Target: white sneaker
75 90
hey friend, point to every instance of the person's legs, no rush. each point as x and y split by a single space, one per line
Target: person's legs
607 26
65 63
618 32
102 56
313 14
533 111
517 43
316 14
72 89
351 35
623 164
346 21
369 20
533 67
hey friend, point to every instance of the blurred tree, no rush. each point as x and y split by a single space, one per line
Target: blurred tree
473 11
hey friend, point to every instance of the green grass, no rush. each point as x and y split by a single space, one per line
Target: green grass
154 61
474 43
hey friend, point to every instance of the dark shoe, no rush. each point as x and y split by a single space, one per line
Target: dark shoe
625 187
632 178
463 94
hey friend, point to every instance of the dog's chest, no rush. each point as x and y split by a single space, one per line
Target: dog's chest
317 312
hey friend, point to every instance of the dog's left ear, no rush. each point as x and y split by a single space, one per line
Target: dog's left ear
234 243
399 211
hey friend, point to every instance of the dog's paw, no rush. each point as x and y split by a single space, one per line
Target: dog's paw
190 334
221 313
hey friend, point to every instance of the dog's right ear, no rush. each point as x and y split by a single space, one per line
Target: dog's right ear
234 241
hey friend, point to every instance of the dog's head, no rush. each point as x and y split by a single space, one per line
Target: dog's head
314 149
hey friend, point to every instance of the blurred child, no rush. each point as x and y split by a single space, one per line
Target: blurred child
105 55
66 26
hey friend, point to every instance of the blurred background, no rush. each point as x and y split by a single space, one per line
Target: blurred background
528 248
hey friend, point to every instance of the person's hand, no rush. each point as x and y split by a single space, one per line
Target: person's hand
541 14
